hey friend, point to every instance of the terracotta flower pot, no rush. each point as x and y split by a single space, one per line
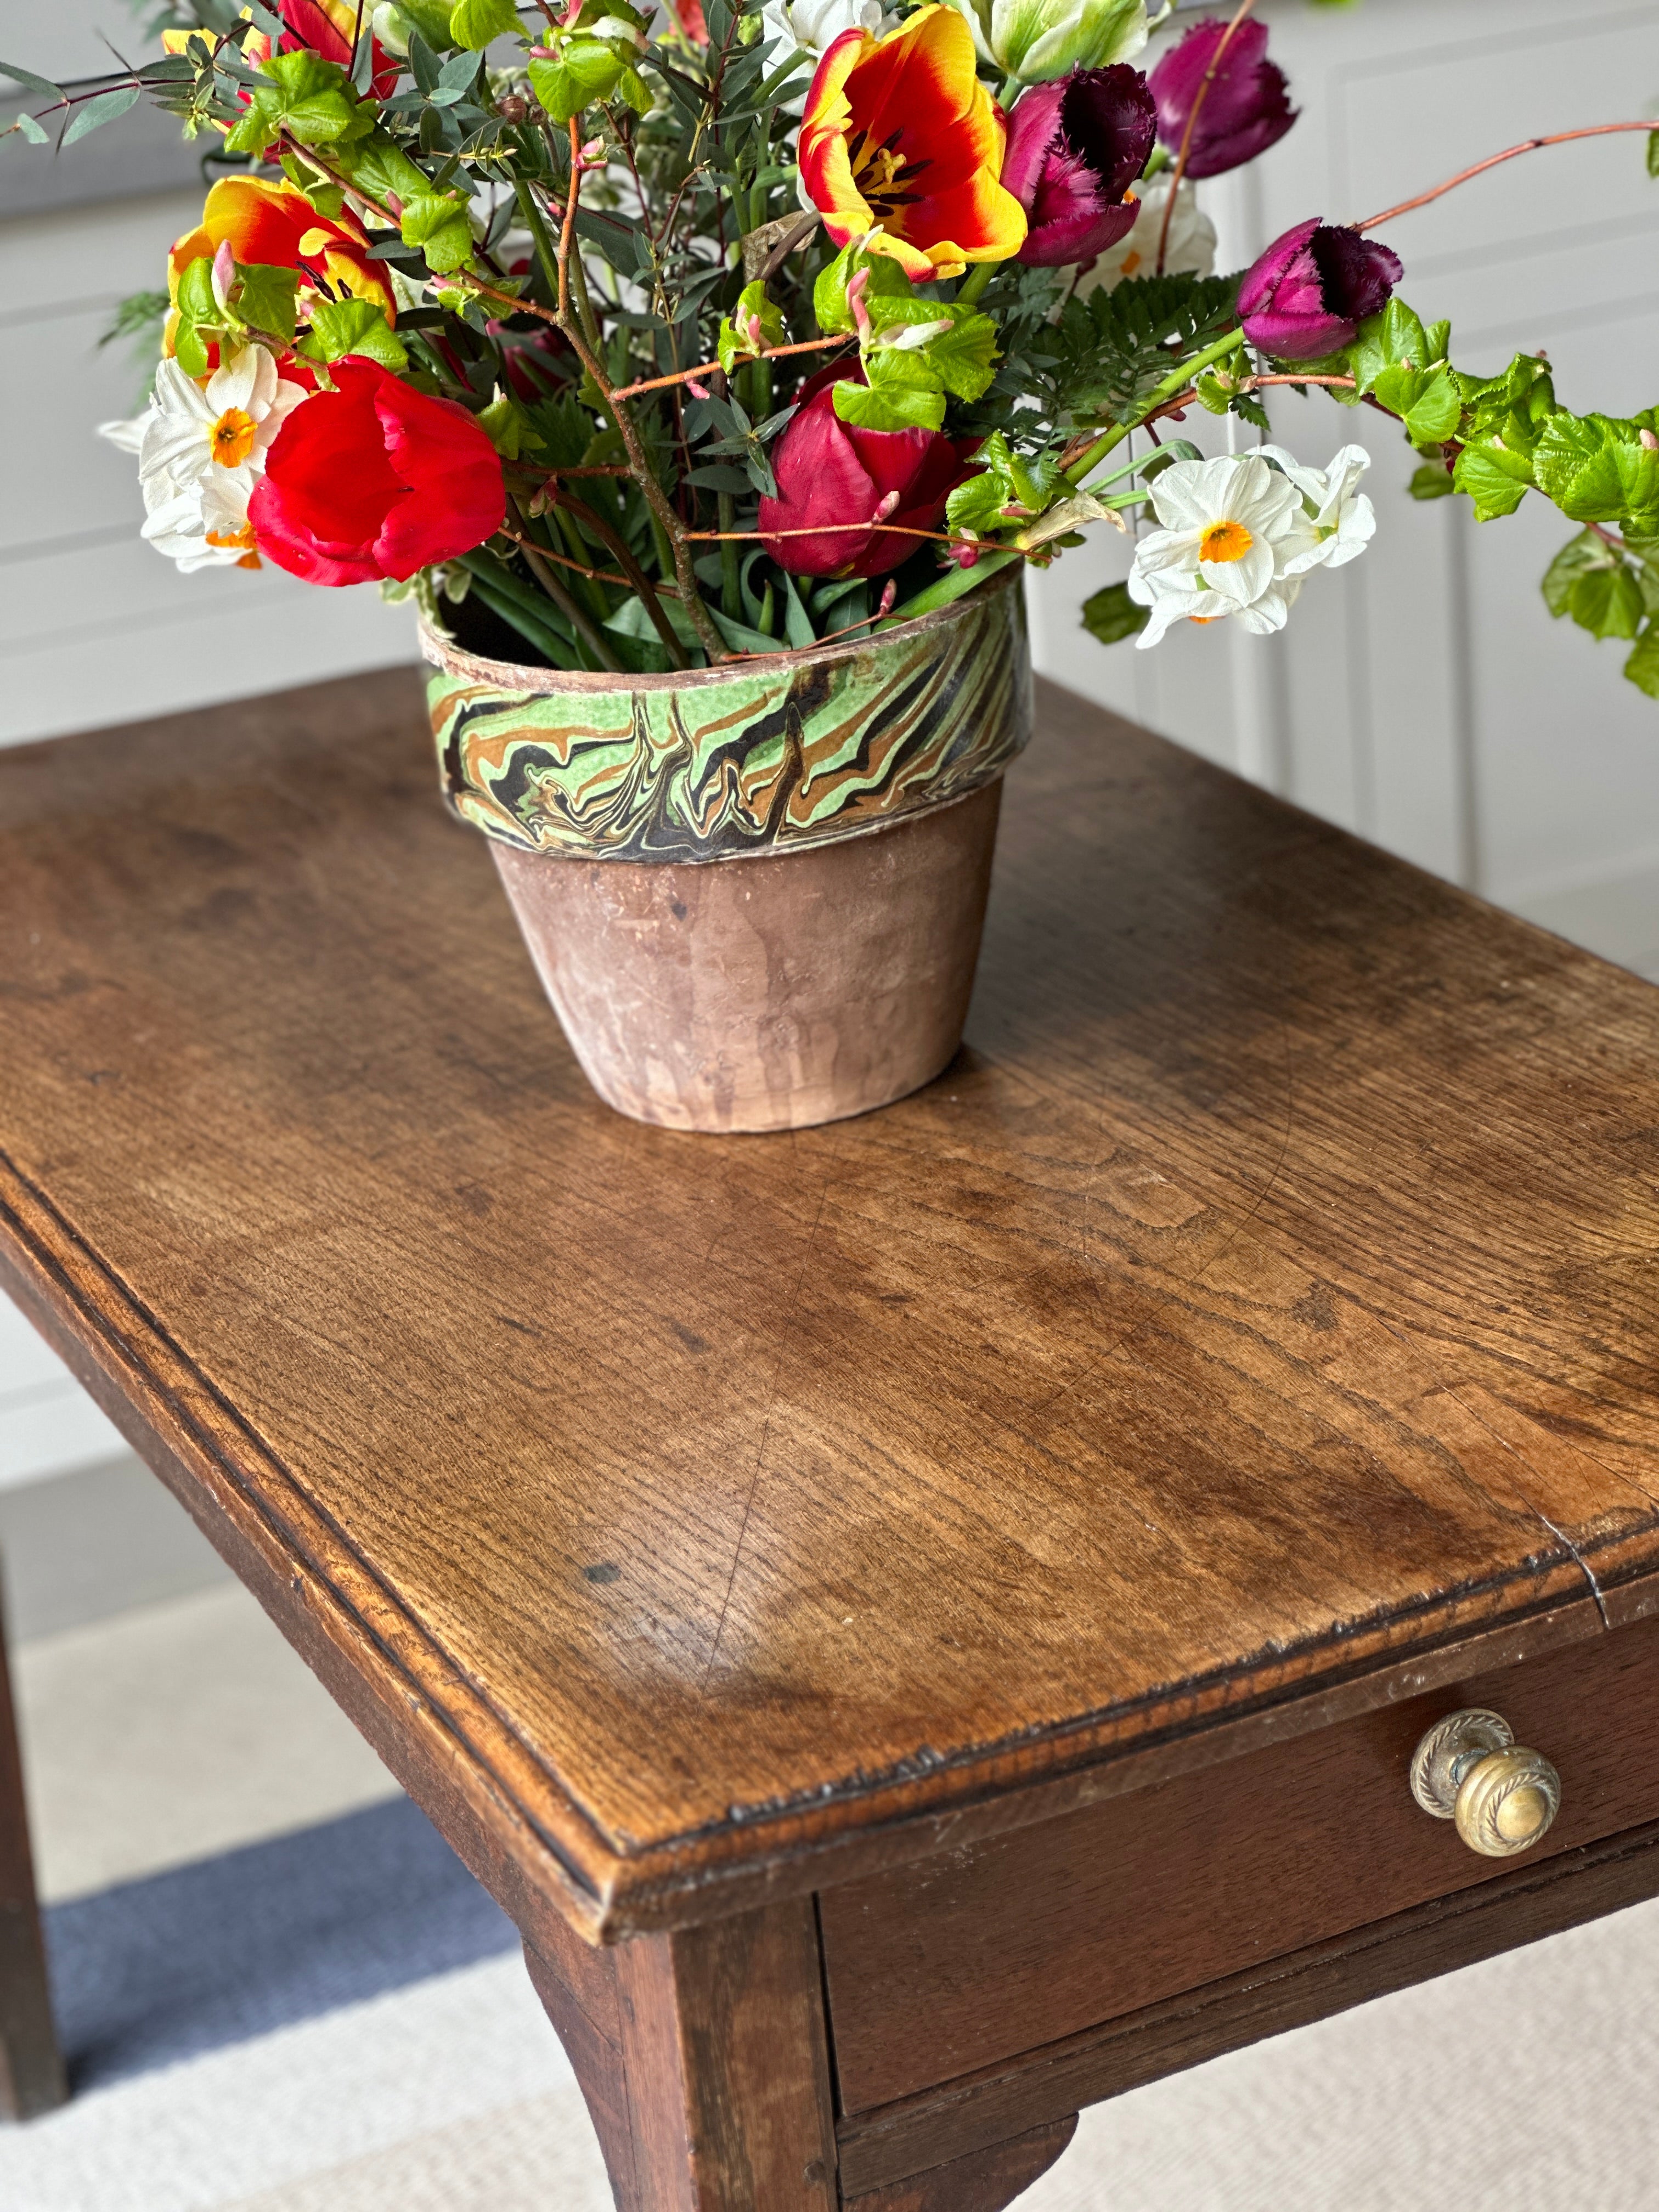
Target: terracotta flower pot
754 894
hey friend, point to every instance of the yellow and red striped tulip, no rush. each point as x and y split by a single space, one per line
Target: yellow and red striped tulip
274 225
901 141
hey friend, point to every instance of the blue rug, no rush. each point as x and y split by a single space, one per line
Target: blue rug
165 1969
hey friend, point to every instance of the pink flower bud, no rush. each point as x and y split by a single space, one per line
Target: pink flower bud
698 391
889 593
885 505
855 292
224 273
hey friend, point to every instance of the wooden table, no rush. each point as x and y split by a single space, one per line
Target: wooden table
922 1623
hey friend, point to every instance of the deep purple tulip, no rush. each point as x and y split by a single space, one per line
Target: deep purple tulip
1075 146
1313 288
1246 110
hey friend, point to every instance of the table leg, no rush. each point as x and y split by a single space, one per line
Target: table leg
704 2059
31 2078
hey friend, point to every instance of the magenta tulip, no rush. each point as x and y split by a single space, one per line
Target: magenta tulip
1246 110
1075 146
840 484
1312 288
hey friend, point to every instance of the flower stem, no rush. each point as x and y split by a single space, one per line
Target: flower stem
954 584
1185 155
731 587
561 599
1173 383
666 525
975 282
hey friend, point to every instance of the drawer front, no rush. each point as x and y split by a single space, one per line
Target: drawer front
972 1957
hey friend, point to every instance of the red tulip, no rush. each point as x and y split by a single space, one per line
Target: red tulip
1246 110
841 483
373 480
1075 146
1312 288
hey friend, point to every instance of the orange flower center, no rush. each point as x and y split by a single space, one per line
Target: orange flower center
232 438
1224 541
244 537
883 175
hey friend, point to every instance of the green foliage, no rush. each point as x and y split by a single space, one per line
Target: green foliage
1404 366
139 316
474 24
103 107
1011 488
1590 580
339 327
754 325
1432 481
264 298
437 223
305 98
1111 615
1642 668
882 280
903 394
1597 469
199 313
1112 349
511 430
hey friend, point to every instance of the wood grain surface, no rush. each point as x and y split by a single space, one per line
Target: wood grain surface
1255 1322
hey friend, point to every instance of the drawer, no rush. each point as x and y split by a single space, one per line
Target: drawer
972 1957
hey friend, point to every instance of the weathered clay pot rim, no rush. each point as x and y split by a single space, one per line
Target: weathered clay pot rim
454 659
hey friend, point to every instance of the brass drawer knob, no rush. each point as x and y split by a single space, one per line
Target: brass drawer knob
1469 1768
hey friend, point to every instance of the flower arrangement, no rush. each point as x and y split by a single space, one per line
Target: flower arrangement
633 341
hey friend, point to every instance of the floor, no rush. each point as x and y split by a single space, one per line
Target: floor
280 1993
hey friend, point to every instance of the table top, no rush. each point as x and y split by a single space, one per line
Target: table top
1259 1314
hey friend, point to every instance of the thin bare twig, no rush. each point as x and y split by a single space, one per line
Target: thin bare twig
713 367
1185 153
1527 146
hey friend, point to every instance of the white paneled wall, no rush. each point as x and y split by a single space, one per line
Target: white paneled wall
1422 695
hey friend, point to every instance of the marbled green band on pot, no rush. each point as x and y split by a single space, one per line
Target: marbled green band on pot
766 755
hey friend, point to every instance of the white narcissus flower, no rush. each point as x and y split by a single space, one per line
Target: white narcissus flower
1234 541
1190 251
812 27
1344 520
201 451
